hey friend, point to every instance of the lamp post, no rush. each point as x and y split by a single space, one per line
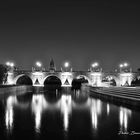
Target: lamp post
10 65
38 65
66 65
123 65
94 65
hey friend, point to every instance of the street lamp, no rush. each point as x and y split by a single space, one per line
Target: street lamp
66 65
38 64
124 65
10 65
94 65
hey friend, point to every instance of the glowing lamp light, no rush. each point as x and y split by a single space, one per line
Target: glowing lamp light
95 64
38 64
66 64
10 64
121 65
125 64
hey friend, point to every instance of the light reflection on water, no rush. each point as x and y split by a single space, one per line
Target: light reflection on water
124 114
66 104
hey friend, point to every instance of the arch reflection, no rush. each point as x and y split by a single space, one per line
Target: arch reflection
79 97
52 96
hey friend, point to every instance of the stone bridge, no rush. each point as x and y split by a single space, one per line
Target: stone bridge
38 78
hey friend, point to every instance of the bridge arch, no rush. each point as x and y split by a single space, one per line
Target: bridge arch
52 80
78 80
23 80
83 77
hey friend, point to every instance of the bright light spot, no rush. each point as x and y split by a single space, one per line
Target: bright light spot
96 108
38 104
12 64
8 63
38 64
121 65
95 64
9 118
125 64
66 109
124 114
66 64
108 109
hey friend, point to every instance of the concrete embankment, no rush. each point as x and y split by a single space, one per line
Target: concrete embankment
15 90
127 95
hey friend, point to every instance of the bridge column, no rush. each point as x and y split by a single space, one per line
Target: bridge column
10 78
96 78
66 78
125 79
37 78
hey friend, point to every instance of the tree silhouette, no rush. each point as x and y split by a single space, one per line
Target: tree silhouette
3 73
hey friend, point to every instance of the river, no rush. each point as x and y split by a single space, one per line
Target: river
66 114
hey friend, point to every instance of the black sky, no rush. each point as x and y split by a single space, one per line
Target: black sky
81 32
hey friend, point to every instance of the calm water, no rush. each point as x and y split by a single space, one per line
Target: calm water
67 115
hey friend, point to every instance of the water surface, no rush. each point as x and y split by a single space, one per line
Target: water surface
70 115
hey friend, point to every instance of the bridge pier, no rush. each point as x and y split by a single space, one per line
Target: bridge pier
96 78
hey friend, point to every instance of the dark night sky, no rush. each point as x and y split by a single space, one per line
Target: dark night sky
81 32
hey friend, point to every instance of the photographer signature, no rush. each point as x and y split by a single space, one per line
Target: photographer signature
128 133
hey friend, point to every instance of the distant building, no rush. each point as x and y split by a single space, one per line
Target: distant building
52 67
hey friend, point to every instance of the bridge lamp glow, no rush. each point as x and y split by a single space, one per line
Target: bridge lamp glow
121 65
125 64
95 64
12 64
66 64
38 64
8 63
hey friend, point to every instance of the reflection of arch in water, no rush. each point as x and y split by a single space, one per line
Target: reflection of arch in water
52 95
52 80
23 80
79 97
26 98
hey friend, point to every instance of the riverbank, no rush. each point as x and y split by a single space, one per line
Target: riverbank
125 95
15 90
